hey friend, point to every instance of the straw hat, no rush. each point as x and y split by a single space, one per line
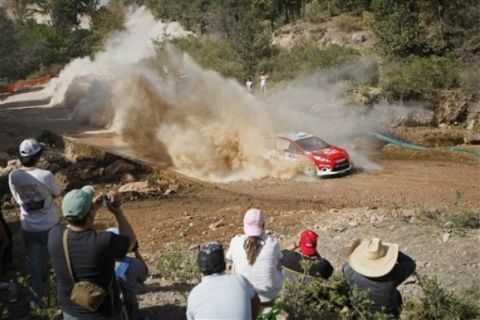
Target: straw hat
373 258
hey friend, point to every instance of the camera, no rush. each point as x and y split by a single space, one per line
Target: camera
105 199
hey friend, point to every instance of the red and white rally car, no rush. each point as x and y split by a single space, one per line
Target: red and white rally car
323 159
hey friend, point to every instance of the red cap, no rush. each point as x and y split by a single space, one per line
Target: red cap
308 243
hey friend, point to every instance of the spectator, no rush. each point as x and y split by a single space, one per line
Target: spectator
378 268
79 253
34 191
129 273
220 295
257 256
249 84
306 251
263 82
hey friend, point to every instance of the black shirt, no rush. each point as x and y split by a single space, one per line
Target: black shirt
92 256
320 267
382 291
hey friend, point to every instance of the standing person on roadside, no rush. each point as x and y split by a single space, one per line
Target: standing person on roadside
378 268
263 82
256 255
220 295
34 191
82 255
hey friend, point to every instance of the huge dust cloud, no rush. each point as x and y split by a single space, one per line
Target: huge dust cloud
169 109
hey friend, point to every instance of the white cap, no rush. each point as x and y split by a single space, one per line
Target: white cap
30 147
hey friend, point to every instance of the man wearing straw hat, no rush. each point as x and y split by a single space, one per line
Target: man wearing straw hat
378 268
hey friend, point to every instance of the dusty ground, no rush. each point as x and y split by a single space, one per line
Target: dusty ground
385 202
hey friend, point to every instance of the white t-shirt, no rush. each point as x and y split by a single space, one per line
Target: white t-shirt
34 190
263 80
266 273
221 296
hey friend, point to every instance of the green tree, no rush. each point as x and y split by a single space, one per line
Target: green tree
397 23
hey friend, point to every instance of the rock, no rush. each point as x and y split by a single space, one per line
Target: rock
140 188
62 179
411 280
119 166
358 37
471 124
128 178
194 247
172 188
216 225
471 138
452 106
353 224
391 228
333 210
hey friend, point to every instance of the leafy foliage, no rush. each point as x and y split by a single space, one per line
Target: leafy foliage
440 304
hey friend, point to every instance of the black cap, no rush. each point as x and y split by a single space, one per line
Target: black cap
210 258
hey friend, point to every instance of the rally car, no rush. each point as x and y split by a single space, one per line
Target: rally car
322 158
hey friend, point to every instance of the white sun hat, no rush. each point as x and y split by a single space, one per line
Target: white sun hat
374 258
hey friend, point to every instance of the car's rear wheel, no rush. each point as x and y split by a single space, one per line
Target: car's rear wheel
309 170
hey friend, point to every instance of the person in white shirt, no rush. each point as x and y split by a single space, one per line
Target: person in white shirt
257 256
263 82
249 84
34 191
220 295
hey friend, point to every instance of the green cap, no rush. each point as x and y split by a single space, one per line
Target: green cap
78 202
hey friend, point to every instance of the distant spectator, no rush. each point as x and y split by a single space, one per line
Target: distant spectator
256 255
249 84
306 251
263 82
34 191
79 254
220 295
130 272
378 268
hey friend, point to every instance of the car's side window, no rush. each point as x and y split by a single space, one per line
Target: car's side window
282 144
292 148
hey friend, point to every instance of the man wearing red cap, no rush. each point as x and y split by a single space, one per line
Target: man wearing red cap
306 251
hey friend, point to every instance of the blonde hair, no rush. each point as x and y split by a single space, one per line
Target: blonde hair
253 245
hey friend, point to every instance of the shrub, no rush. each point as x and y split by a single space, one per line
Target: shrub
348 23
306 57
177 263
418 77
438 303
213 53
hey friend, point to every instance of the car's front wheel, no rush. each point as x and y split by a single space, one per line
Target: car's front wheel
309 170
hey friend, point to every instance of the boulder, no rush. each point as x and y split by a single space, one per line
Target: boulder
140 189
452 106
358 37
471 137
119 167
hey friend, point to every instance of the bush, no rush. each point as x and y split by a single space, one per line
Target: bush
178 263
213 53
348 23
307 57
418 77
314 12
438 303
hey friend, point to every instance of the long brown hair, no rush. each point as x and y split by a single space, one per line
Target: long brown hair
253 245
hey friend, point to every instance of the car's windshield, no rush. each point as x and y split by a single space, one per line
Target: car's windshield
312 143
